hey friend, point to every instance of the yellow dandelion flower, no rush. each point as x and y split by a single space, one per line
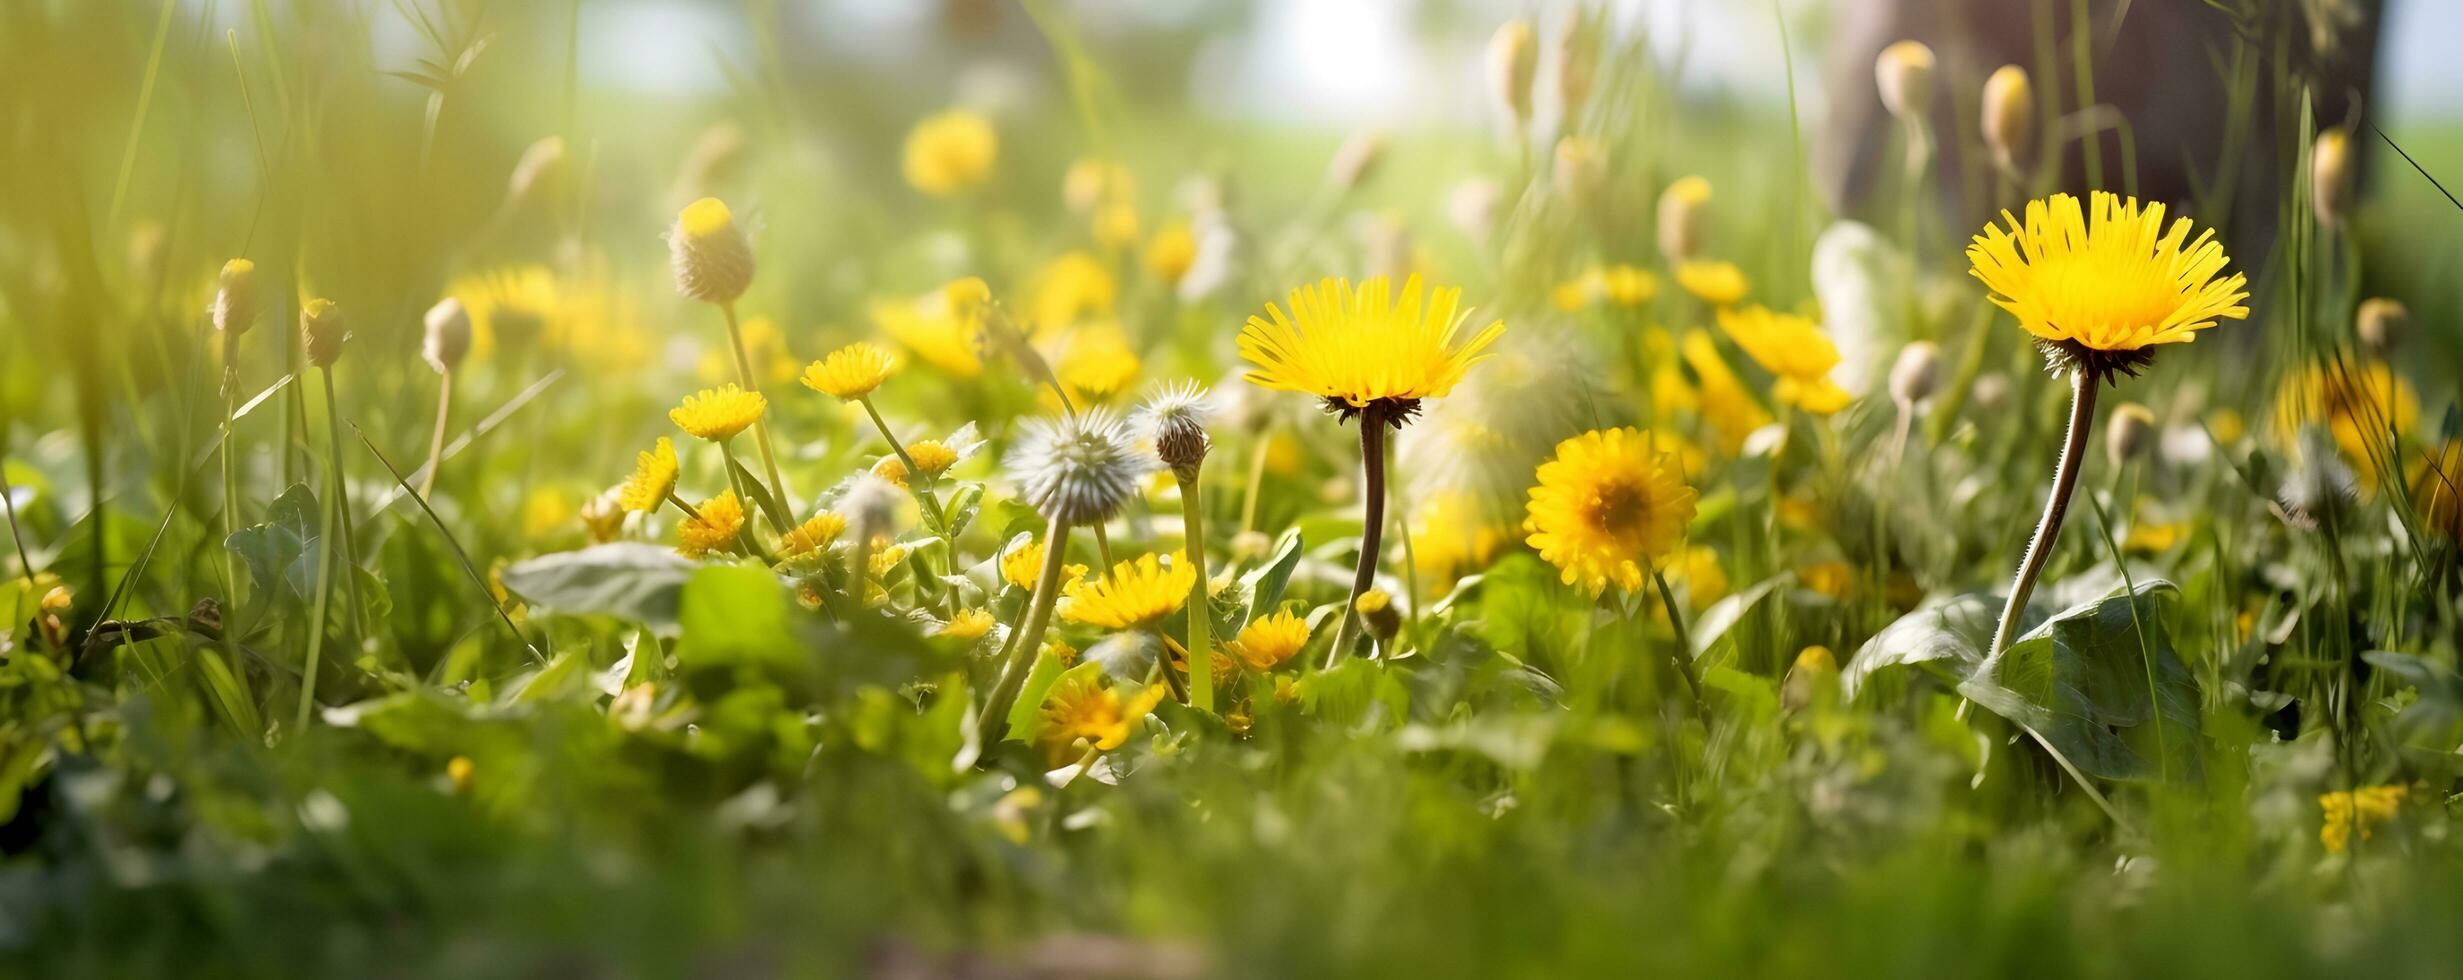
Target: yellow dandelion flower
1627 285
950 153
654 478
968 624
1697 569
887 560
509 308
1831 578
1098 366
2107 276
1607 505
2356 403
2362 810
1133 594
1020 566
1793 348
1080 707
850 372
1725 404
1364 345
715 529
1715 283
891 468
1576 293
1269 640
936 329
718 414
815 534
932 457
1171 252
1070 288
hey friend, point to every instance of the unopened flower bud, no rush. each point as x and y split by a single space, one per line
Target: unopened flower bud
1513 57
1355 161
603 516
1176 421
712 258
321 329
2381 323
1378 615
1916 374
1577 62
2330 176
1581 168
235 300
2131 433
448 335
1684 213
2009 115
1904 74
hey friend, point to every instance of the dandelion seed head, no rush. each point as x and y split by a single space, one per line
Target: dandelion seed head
1080 468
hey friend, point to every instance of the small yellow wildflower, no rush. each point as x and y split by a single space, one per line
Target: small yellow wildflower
939 327
1715 283
1080 707
1269 640
891 468
715 530
1792 348
817 533
950 153
2362 810
654 478
851 372
1171 252
718 414
1607 504
932 457
1020 566
968 624
1072 287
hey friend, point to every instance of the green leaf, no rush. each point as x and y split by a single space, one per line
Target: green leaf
1266 582
1715 622
1945 639
1355 693
2098 684
629 580
779 518
281 552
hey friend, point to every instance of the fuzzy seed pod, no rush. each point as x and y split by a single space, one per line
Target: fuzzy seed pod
321 329
1904 74
1684 215
1916 374
448 336
235 300
1079 468
1176 421
2132 432
871 507
1378 615
712 258
2330 176
1581 168
2381 322
1355 161
1513 57
2009 115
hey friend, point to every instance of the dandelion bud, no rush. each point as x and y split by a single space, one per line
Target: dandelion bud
603 515
2009 115
461 771
322 330
1176 421
1916 374
1577 63
448 336
1355 161
2330 176
1581 168
1377 613
1684 211
2131 432
235 302
1904 74
1513 57
2381 323
539 163
712 258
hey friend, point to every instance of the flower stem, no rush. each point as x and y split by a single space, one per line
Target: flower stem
341 494
919 483
436 439
1027 643
2065 481
230 462
1682 653
1372 531
1257 479
1193 533
761 426
743 529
